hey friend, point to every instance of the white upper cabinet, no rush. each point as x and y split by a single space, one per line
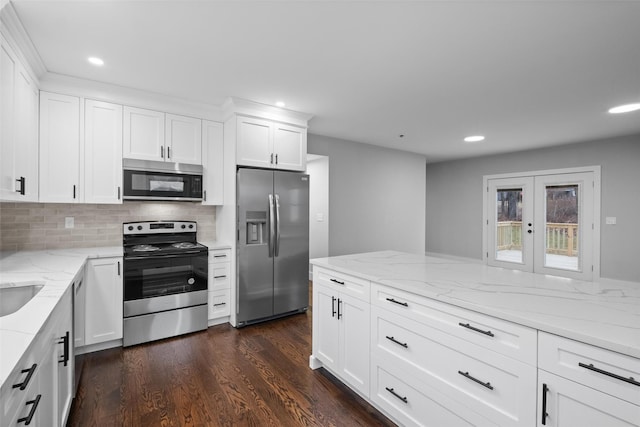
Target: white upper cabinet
59 148
255 142
153 135
267 144
183 139
18 129
213 162
143 137
289 147
102 152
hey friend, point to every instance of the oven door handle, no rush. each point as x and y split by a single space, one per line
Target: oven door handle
159 256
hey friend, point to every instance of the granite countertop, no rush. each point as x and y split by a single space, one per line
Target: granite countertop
604 313
55 269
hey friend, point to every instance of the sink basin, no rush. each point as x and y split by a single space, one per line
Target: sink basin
13 298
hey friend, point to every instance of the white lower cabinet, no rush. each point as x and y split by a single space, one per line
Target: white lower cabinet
39 390
103 303
219 284
565 403
341 329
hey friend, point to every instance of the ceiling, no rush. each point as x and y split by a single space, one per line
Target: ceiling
525 74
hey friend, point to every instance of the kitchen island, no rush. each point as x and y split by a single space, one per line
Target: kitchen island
462 342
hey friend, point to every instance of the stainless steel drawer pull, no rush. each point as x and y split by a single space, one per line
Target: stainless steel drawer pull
468 326
219 256
404 304
337 281
29 372
219 304
403 344
390 390
219 277
590 367
482 383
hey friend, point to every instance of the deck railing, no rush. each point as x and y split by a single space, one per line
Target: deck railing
561 239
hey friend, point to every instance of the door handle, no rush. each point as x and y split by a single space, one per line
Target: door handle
272 226
277 245
21 181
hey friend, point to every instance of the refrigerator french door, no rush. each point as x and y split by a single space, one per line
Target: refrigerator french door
273 244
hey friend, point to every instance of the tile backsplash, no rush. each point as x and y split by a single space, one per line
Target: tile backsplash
37 226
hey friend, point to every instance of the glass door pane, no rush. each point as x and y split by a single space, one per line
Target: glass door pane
564 224
561 228
510 213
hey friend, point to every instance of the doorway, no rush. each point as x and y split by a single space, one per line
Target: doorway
544 222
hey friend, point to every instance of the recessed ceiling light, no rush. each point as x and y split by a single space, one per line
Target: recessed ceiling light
627 108
95 61
280 104
474 138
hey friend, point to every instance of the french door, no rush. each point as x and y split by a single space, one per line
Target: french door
543 223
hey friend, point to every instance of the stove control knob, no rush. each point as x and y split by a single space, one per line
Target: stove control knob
130 227
139 227
183 226
190 225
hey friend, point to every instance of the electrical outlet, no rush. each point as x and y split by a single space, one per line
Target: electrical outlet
69 222
610 220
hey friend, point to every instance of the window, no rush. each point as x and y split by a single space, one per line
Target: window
544 222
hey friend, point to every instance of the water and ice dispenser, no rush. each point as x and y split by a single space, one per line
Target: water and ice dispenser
256 224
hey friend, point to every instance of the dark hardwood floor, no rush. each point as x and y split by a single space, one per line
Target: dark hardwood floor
255 376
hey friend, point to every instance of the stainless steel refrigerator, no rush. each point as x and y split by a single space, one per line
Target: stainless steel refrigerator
273 244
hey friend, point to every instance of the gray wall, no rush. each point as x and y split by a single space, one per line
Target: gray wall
454 198
376 197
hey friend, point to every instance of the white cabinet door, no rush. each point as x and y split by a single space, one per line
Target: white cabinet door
326 328
143 137
289 147
354 342
63 381
103 281
59 148
183 139
8 66
213 163
102 152
563 402
18 129
254 142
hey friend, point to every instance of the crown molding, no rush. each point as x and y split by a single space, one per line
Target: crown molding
16 35
68 85
245 107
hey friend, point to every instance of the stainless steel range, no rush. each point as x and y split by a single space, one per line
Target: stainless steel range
165 280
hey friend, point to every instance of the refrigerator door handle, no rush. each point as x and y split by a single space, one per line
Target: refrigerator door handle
277 245
272 226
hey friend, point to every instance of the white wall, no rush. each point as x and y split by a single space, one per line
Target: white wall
318 170
454 198
376 197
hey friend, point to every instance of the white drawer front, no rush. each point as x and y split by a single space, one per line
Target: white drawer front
219 304
612 373
350 285
414 404
220 255
219 276
492 385
510 339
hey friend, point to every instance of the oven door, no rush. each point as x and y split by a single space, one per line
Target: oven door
158 283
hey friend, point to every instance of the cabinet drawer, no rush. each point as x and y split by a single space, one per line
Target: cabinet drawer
510 339
219 255
601 369
350 285
219 276
412 403
219 304
492 385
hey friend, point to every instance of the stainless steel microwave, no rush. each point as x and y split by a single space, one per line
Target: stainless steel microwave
150 180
